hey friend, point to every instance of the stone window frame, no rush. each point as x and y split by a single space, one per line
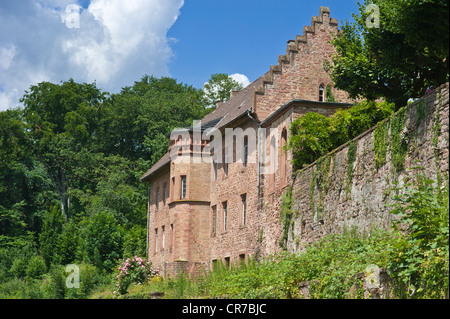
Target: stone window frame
322 92
156 240
225 215
213 220
244 209
183 185
157 199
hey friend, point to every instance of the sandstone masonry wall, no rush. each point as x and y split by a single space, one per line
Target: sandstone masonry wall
340 191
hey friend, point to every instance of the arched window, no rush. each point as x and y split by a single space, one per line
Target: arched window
321 93
283 159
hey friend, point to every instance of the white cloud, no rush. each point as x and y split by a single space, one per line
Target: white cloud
6 56
116 43
241 78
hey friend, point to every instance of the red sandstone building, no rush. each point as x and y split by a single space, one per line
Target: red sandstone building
228 208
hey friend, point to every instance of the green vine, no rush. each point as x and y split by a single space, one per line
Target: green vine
330 96
320 178
399 143
286 215
380 143
312 185
420 113
437 133
351 157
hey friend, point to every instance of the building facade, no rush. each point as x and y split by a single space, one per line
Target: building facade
216 194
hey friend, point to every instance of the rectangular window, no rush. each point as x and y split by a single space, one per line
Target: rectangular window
157 199
244 208
225 162
245 150
156 240
214 220
172 189
163 237
149 201
225 213
171 237
165 194
227 262
214 264
215 168
242 259
183 187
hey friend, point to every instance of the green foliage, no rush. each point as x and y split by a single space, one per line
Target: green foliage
103 240
286 215
313 135
351 157
399 142
36 267
403 57
329 94
134 270
219 87
332 261
420 261
135 242
380 142
50 235
70 163
310 138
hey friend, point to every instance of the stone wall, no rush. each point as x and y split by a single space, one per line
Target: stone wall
352 185
238 239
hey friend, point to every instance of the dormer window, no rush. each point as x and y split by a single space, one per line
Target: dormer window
321 93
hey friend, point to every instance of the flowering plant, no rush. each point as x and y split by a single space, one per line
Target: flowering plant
134 270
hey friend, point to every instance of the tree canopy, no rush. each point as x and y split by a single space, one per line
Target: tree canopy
70 162
400 58
219 88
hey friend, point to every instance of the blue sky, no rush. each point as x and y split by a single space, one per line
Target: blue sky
240 36
116 42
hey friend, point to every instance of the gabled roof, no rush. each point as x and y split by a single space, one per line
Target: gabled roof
235 106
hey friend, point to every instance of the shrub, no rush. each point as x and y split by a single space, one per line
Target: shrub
103 238
310 138
36 267
420 261
314 135
134 270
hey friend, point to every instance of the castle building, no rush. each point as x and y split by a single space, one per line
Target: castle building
216 194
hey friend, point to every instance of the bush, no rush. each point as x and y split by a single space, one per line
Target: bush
103 239
420 261
36 267
314 135
134 270
310 138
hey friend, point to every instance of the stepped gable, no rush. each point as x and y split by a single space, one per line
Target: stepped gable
297 71
296 76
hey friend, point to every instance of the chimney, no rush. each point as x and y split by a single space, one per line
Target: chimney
218 102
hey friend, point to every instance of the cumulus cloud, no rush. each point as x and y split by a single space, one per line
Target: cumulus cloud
241 78
114 43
